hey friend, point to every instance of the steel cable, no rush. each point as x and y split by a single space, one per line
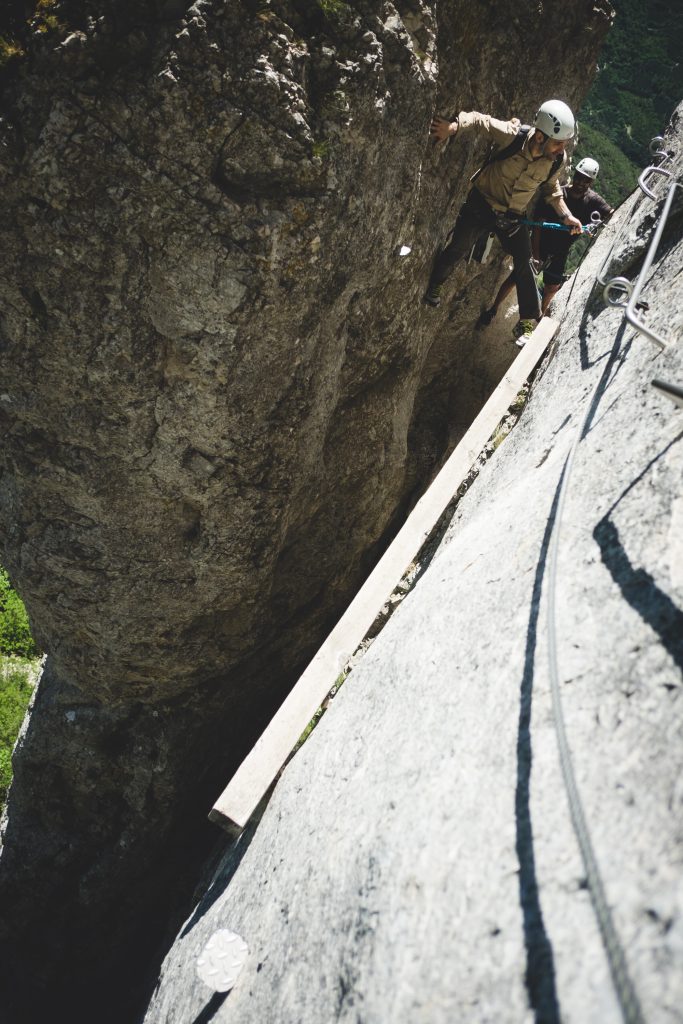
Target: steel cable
625 991
624 988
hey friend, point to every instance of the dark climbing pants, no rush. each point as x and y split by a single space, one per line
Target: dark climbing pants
475 218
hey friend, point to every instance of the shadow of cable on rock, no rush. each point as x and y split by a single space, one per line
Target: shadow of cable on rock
640 590
637 586
540 963
615 361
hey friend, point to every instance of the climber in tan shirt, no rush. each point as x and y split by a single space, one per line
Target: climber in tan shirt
523 163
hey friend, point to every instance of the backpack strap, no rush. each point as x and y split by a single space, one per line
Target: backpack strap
512 149
557 163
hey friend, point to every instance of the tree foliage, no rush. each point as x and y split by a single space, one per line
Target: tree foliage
15 632
640 78
16 687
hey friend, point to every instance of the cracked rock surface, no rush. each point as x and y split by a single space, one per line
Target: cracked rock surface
416 861
219 393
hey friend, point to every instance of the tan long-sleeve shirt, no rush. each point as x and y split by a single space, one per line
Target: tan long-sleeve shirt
511 184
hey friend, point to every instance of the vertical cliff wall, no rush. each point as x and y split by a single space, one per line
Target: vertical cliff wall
219 391
417 860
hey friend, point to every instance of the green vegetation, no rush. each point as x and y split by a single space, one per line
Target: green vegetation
16 686
15 27
509 420
618 178
319 713
18 669
321 149
15 633
639 84
618 174
333 8
9 49
640 80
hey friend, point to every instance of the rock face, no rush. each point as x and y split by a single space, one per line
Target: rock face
219 391
416 861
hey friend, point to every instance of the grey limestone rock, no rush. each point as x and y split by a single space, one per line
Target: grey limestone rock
220 392
416 861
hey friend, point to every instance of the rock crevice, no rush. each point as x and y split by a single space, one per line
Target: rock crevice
220 391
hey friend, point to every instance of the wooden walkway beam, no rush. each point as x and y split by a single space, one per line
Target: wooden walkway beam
250 782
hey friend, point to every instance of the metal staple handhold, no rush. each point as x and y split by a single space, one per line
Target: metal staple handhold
632 304
657 150
651 170
656 147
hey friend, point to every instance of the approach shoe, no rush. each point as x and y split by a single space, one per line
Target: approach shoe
433 295
487 315
521 331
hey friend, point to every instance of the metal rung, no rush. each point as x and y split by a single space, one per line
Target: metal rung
651 170
632 304
657 150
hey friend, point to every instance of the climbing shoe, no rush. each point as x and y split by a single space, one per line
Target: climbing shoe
521 331
486 317
433 295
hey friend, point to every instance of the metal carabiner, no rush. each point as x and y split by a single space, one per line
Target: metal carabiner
595 223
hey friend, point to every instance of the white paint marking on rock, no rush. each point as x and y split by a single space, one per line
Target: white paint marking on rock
211 966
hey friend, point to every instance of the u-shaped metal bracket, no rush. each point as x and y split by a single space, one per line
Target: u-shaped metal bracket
631 305
651 170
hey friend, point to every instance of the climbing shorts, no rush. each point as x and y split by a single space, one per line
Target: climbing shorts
553 269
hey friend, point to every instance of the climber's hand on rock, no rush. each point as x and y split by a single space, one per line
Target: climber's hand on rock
441 129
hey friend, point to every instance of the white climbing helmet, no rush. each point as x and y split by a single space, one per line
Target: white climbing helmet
588 167
555 119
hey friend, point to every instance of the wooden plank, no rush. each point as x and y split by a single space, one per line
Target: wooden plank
250 782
